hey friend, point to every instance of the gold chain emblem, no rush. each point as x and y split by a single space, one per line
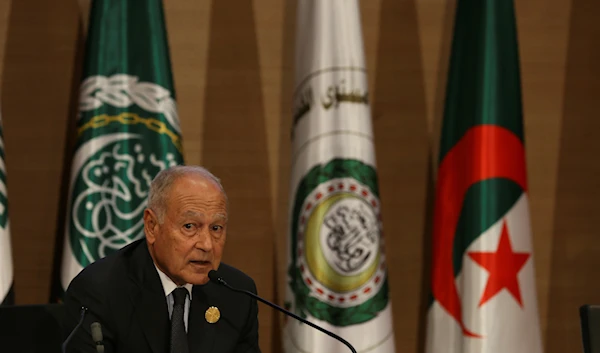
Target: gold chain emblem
132 119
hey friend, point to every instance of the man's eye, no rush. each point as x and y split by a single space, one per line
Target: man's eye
188 226
217 228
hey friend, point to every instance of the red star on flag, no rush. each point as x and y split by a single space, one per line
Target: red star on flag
503 266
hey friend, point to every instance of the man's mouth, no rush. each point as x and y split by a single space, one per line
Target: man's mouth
200 263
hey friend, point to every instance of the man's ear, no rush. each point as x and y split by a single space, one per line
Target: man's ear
151 225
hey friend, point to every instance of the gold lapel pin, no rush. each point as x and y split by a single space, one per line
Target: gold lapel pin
212 314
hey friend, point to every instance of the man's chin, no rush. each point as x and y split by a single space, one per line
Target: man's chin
200 282
198 278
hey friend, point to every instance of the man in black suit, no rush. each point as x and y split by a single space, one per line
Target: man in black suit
154 295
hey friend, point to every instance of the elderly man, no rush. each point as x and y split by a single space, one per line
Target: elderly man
154 295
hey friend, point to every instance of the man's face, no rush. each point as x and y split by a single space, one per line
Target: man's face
189 242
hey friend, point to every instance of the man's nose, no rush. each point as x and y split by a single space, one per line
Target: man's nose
204 241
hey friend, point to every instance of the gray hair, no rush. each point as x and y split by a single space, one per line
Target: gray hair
162 182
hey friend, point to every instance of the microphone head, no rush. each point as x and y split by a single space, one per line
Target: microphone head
214 276
97 332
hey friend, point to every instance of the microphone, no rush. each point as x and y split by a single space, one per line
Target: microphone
214 276
97 336
82 315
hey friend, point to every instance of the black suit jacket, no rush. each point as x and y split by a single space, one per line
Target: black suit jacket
123 292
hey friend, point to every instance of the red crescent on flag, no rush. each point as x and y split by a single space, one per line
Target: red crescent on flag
484 152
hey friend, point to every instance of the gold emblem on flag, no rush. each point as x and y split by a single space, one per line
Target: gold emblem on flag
212 314
342 242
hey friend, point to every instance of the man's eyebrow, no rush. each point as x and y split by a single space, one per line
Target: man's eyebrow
192 213
218 216
221 216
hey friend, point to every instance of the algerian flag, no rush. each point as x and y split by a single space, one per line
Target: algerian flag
337 272
6 265
128 130
483 281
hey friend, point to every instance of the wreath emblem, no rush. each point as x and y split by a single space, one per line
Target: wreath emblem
338 271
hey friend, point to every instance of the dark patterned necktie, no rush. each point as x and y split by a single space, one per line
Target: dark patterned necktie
179 343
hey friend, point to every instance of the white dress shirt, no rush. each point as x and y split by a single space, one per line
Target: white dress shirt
169 286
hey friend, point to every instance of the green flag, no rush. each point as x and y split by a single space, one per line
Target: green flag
483 277
127 130
6 265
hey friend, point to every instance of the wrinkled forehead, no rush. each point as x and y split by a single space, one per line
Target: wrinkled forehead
195 192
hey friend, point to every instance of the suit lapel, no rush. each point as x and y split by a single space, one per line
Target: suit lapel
201 333
149 300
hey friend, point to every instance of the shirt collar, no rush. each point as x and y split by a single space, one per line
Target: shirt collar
168 284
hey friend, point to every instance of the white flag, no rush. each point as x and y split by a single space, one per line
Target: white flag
337 275
6 265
